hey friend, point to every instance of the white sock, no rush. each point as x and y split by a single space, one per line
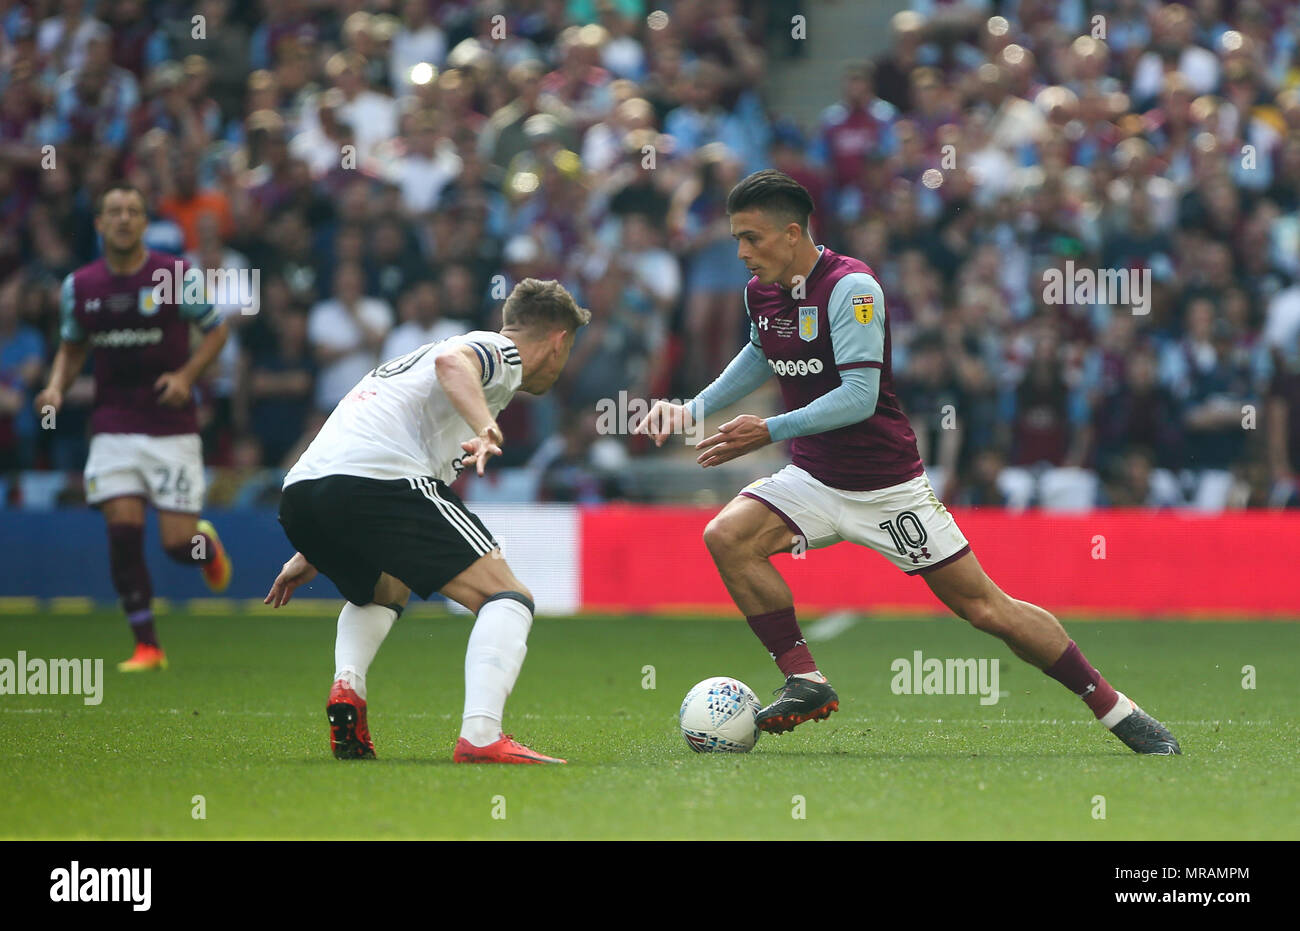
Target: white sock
814 676
1123 708
495 655
361 630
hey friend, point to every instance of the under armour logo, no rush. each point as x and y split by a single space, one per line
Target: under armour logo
1088 691
92 304
924 554
762 323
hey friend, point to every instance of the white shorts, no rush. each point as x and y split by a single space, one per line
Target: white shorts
907 524
168 470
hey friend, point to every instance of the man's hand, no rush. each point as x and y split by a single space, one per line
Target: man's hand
175 389
663 420
297 571
52 397
734 438
483 447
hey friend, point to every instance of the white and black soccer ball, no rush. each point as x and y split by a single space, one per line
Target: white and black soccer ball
719 715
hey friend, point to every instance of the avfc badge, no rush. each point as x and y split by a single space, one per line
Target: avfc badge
147 306
807 324
864 306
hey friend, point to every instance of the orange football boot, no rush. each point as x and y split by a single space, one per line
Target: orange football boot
144 658
218 570
504 750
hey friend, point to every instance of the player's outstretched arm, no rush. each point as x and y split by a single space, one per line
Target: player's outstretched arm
742 376
852 401
856 311
297 571
461 375
68 362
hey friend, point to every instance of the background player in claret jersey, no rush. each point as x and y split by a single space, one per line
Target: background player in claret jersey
368 505
818 320
146 443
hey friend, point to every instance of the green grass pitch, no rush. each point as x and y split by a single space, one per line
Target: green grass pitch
239 719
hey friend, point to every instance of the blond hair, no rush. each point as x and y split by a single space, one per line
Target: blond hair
539 306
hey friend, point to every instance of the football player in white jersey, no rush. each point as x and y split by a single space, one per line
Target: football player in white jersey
369 505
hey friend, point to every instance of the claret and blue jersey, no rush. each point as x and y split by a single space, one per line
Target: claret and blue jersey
838 325
134 339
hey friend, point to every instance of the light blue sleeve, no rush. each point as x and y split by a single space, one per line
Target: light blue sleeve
742 376
852 401
856 310
69 329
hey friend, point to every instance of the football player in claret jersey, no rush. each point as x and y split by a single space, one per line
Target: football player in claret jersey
818 321
369 505
145 444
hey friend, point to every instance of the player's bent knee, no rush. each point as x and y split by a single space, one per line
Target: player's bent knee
725 536
521 595
983 615
717 536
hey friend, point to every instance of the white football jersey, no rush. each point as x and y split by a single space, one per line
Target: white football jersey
397 422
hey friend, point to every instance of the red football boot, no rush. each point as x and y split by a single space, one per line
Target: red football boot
504 750
349 734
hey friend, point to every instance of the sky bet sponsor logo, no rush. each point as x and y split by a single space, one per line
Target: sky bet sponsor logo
117 339
102 884
53 677
791 367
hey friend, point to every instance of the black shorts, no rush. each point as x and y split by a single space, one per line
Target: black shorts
352 529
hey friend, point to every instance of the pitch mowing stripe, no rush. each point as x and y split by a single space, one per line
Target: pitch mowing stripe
532 716
211 606
72 605
311 607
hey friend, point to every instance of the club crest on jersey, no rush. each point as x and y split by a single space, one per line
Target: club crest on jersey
807 324
148 306
864 305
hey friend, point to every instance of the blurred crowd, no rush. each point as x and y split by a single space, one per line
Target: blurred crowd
392 167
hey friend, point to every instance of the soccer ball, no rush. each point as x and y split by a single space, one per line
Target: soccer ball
719 715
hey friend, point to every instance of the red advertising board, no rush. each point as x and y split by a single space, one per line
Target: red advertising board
1105 563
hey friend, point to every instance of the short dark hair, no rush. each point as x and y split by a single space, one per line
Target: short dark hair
542 306
775 193
118 186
